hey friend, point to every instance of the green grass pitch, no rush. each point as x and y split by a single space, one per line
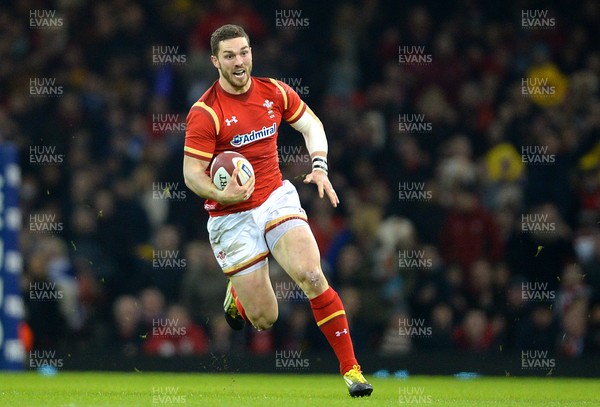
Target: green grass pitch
286 390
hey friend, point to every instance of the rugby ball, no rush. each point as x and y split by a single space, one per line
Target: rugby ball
223 165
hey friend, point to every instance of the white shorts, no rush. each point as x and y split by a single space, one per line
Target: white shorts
242 241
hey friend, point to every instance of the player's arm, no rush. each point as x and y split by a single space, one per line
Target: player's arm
194 175
202 128
316 143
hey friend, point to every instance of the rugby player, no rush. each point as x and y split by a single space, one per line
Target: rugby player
264 216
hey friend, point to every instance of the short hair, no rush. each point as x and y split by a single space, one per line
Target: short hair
226 32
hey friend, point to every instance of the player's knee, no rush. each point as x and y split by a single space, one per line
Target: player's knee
312 281
262 320
263 324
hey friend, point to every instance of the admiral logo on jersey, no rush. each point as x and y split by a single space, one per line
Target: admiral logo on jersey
254 135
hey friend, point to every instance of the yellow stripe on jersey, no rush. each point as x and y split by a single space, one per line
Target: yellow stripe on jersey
297 112
197 152
285 100
211 112
330 317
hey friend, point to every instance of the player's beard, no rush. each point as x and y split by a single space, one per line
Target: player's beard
235 82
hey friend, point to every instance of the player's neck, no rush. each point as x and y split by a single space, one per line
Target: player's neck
227 87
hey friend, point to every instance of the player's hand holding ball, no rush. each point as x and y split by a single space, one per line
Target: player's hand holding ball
233 175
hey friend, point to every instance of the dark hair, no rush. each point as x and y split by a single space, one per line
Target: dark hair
226 32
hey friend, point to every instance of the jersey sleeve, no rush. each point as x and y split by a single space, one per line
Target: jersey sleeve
293 106
202 127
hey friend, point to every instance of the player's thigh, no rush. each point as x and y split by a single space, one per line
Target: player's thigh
298 254
255 292
291 241
240 248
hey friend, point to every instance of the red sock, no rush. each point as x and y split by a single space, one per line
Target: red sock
331 318
238 304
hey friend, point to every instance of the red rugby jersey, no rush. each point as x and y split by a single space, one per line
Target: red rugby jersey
248 124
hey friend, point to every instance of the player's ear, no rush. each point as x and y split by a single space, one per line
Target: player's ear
215 62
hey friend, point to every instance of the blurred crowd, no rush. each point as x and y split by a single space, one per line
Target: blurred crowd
499 250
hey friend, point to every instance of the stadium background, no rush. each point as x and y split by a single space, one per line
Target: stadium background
443 160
